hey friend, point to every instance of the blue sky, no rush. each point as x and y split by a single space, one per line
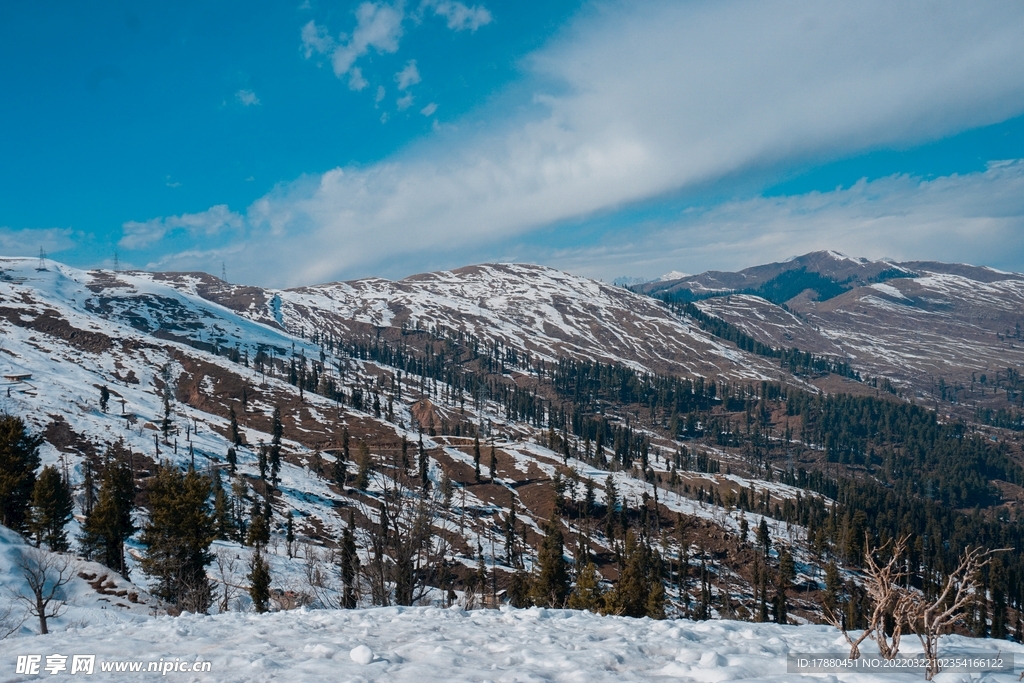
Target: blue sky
297 143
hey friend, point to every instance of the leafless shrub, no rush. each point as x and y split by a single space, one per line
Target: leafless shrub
9 623
227 562
405 554
930 619
888 599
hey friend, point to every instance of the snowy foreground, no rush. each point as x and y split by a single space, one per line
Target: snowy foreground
429 644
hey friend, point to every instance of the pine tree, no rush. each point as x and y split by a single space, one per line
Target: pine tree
787 571
232 459
52 506
476 459
222 509
551 587
423 465
494 462
289 535
19 458
349 561
587 594
178 537
520 589
639 574
277 431
165 425
362 481
104 397
259 581
764 540
339 472
110 524
233 435
259 528
262 461
833 588
612 503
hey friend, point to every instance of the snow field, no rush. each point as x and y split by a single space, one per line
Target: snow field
425 644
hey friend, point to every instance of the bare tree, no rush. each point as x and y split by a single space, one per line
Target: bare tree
888 599
930 619
405 551
8 622
227 563
319 576
46 575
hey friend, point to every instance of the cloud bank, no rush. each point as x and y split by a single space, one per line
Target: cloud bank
640 99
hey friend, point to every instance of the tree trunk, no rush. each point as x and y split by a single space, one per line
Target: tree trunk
41 610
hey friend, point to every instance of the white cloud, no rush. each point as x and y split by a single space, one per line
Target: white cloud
429 109
213 221
459 16
378 26
355 79
247 98
28 242
650 98
408 76
972 218
380 94
316 39
405 101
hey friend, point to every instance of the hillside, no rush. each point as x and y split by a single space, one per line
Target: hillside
503 397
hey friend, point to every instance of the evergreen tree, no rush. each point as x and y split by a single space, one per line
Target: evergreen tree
222 509
19 458
339 472
110 524
165 424
833 588
764 540
587 594
178 537
520 589
259 528
289 533
232 459
494 462
423 465
551 587
233 435
349 561
104 397
612 503
277 431
639 574
259 581
88 488
262 462
363 474
476 459
52 506
787 571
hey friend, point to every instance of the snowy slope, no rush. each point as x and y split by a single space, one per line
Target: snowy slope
531 308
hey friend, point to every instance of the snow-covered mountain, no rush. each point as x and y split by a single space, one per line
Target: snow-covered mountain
917 323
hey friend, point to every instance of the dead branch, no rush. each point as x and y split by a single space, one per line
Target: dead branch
930 619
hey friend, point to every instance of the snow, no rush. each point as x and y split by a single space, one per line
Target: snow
425 644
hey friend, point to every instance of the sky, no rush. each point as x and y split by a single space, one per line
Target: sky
290 143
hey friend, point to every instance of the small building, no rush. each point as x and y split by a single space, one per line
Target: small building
18 377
